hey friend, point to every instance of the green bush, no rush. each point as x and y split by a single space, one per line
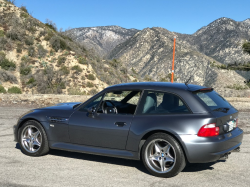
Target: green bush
2 33
25 70
41 51
31 80
14 90
61 60
75 91
24 15
91 77
82 60
2 89
90 85
2 56
19 48
7 65
23 8
76 68
65 70
58 43
29 40
93 91
49 36
31 51
246 47
237 87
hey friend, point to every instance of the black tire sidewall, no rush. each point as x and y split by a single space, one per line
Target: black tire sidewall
44 143
180 160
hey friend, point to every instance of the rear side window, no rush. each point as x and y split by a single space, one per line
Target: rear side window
213 100
163 103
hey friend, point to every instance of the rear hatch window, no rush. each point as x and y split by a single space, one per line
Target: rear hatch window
226 114
214 101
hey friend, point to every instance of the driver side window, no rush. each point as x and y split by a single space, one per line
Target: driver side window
93 103
120 102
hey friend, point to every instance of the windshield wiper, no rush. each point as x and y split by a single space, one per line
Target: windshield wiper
222 109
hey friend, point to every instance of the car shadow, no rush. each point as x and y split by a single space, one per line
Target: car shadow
123 162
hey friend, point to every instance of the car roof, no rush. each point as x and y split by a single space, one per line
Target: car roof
156 85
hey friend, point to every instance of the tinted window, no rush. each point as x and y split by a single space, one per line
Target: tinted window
125 102
213 100
93 103
163 103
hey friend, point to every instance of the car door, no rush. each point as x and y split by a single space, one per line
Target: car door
102 129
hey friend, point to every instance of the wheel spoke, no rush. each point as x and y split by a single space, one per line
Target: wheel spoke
162 164
157 147
29 132
31 146
36 134
37 143
166 149
154 157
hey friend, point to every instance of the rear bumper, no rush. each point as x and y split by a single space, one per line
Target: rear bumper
202 150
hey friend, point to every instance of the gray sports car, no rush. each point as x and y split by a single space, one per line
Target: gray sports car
165 125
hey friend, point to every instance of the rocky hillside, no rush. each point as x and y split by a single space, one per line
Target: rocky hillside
101 39
223 39
35 58
149 54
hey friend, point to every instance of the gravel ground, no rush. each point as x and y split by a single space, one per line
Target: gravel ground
61 168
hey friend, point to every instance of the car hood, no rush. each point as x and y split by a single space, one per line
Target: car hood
62 106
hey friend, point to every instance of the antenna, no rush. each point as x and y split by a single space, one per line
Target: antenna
187 82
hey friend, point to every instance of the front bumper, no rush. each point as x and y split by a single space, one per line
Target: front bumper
202 150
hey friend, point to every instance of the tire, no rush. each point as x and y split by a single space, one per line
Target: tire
163 156
33 139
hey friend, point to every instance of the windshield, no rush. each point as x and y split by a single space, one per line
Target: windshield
214 101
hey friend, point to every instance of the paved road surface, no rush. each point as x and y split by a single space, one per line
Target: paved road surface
60 168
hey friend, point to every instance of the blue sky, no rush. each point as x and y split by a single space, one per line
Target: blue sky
184 16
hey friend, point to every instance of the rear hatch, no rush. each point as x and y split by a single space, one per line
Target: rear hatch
226 115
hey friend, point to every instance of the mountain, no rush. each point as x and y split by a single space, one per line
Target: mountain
101 39
222 40
149 53
35 58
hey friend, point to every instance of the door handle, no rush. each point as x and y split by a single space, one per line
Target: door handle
120 124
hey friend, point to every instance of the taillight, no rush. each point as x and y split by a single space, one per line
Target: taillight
208 130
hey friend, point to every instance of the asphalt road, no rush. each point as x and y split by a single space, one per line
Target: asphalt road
61 168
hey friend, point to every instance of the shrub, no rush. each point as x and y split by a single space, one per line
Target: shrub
61 60
58 43
23 8
25 59
83 77
91 77
2 89
7 76
25 70
31 51
2 33
3 42
29 40
75 91
93 91
31 80
24 15
237 87
90 85
19 48
48 36
51 25
82 60
246 47
14 90
49 81
76 69
7 65
65 70
41 51
2 56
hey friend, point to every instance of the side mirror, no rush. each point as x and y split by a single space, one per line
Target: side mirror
91 111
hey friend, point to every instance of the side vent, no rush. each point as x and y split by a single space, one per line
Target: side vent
58 120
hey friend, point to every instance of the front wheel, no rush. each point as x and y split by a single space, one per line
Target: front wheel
163 156
33 139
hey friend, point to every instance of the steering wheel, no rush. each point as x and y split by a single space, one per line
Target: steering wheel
105 109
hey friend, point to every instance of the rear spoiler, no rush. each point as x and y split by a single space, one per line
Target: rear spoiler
203 90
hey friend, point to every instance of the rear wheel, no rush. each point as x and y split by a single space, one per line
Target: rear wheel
163 156
33 139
